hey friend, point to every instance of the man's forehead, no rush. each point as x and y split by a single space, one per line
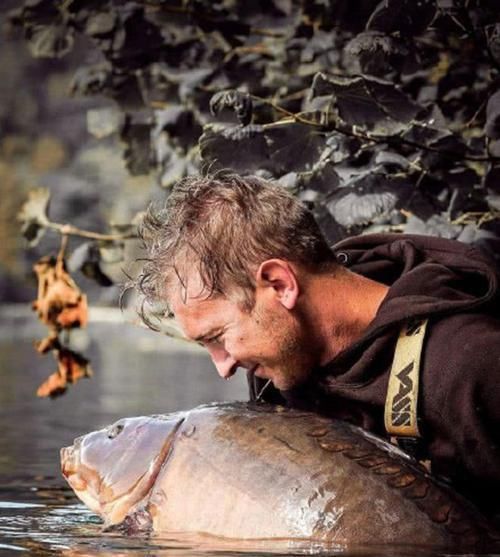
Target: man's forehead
198 315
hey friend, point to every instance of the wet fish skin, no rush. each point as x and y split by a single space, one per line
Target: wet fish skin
258 471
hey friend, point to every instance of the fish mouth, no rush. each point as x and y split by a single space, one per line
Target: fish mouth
70 465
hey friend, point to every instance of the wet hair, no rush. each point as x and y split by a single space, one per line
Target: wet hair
225 226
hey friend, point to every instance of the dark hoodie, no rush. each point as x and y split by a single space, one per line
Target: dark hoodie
456 288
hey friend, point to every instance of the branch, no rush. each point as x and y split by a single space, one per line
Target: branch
70 230
352 132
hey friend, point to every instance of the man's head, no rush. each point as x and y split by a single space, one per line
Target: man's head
229 256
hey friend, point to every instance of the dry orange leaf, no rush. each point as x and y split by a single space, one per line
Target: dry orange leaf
50 342
60 303
71 368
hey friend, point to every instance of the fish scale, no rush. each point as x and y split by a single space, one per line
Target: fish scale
437 501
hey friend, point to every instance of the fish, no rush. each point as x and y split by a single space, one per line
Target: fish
254 471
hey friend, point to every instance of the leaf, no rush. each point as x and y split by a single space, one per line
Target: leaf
50 41
367 103
492 186
238 101
137 136
60 304
71 367
243 150
492 127
101 24
493 37
51 342
437 225
33 215
294 146
79 256
89 258
368 199
180 124
102 122
91 80
391 160
330 228
279 148
323 179
377 53
408 17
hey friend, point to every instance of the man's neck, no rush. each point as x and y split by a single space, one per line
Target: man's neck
340 307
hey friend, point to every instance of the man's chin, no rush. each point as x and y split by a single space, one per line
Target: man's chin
266 375
282 380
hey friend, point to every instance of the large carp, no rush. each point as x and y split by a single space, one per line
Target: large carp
261 472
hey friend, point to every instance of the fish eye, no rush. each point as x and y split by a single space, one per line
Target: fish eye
115 430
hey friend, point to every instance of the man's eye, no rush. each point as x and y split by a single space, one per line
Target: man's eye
214 340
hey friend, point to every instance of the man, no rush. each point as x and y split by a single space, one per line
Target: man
398 334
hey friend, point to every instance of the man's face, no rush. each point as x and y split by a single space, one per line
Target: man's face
268 339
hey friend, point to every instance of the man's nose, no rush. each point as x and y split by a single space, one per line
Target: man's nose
226 365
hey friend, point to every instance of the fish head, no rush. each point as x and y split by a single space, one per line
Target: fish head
113 469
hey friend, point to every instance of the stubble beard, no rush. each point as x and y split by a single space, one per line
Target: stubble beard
293 362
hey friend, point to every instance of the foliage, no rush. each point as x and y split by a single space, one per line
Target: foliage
380 114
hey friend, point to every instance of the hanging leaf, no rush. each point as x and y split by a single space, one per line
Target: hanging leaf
101 24
71 367
294 146
60 304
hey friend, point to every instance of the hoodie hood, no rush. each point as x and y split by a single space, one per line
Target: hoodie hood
427 276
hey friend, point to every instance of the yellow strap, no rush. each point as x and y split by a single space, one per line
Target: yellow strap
400 414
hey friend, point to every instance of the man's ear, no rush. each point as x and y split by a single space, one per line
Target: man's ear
280 276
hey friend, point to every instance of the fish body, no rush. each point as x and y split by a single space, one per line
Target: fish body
250 471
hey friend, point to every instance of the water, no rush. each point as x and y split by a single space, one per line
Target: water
137 372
